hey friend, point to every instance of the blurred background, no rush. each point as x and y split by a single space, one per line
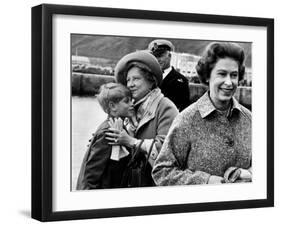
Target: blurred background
98 54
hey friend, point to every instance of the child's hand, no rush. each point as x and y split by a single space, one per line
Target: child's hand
116 123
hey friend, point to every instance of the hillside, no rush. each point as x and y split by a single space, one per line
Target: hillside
114 47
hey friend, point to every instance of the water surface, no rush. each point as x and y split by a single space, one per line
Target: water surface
86 117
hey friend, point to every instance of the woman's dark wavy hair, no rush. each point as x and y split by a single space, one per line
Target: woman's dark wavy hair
219 50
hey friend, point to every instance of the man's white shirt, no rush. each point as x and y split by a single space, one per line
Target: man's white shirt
166 71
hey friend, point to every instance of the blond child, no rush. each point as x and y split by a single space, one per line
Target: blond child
103 164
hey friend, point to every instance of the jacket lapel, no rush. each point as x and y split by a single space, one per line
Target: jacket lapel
150 111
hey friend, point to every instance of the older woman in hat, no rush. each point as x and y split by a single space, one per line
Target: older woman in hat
141 73
210 141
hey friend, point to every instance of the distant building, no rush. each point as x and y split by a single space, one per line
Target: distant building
84 65
185 63
80 60
247 80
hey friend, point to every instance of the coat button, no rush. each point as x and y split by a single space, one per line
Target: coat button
229 141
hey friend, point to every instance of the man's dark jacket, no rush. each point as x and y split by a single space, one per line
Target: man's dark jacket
175 86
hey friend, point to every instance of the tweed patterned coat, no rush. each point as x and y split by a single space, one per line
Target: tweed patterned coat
203 142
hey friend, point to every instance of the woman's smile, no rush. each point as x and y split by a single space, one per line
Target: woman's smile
227 91
137 83
223 82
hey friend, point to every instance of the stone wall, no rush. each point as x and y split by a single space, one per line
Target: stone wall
88 84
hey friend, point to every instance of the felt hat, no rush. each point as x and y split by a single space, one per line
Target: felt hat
142 56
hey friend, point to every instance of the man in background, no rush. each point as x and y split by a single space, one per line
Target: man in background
174 85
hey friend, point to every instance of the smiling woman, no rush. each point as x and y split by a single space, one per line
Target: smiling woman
138 81
223 82
210 141
141 73
221 68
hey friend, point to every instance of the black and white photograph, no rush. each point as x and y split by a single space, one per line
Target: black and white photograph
139 113
143 112
150 111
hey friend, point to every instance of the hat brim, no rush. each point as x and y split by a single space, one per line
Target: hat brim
144 57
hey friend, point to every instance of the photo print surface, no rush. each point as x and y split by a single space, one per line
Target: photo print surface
181 115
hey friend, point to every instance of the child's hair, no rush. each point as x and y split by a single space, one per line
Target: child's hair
112 92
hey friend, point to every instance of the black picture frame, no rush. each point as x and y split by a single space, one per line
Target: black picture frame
42 107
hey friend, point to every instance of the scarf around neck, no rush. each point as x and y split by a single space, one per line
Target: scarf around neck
142 106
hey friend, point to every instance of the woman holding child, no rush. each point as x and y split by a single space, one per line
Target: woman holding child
138 75
154 113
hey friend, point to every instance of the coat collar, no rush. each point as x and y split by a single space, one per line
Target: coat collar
167 71
146 110
206 107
